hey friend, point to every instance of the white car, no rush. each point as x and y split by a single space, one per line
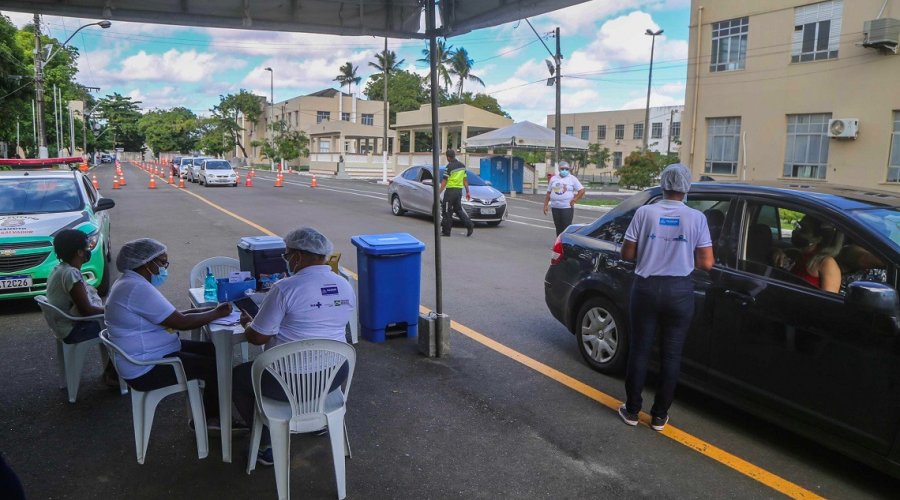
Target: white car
184 167
194 168
217 173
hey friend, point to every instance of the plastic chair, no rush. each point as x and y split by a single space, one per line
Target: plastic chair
353 324
221 267
71 356
143 404
310 406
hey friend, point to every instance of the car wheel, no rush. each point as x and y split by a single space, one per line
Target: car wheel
602 336
396 207
494 223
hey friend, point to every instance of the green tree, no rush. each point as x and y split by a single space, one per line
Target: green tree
122 115
460 66
406 91
287 144
347 76
169 130
213 136
387 60
16 88
641 169
482 101
597 155
444 52
228 113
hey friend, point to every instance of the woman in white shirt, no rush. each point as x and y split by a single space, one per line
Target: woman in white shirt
563 191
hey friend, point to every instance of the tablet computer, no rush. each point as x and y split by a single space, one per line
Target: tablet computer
247 305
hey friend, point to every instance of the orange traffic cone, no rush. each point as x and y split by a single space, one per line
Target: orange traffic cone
313 183
181 183
279 180
249 182
94 181
152 182
115 182
171 179
121 179
237 179
252 172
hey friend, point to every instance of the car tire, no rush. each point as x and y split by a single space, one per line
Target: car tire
602 335
396 206
494 223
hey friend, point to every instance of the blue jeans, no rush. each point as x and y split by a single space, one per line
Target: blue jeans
666 304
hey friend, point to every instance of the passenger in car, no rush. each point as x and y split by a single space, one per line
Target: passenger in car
858 264
818 244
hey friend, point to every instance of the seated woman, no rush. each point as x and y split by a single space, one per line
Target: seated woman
67 291
144 324
817 246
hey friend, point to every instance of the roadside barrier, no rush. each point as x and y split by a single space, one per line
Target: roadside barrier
181 183
249 182
279 180
115 182
171 179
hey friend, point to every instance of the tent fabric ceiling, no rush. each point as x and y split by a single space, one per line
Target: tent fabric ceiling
525 135
391 18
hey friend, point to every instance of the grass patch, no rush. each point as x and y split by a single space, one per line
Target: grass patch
599 203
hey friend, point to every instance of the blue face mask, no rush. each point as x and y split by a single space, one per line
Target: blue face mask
563 173
157 280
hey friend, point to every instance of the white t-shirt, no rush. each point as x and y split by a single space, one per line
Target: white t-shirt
315 303
667 233
562 190
134 311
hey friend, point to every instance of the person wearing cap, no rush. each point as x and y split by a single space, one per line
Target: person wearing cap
452 185
144 324
312 303
667 240
563 191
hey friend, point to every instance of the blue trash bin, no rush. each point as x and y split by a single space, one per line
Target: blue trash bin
390 269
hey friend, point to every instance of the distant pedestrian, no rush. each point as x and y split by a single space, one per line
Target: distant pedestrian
454 181
667 240
563 191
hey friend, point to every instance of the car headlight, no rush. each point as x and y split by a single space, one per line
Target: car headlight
93 239
500 199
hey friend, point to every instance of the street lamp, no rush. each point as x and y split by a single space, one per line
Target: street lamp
39 77
271 116
652 34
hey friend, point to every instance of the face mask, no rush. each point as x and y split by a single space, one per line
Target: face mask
802 241
563 173
157 280
287 264
87 255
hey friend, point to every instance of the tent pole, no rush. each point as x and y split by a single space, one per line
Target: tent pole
435 153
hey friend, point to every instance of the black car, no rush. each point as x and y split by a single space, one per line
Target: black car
823 364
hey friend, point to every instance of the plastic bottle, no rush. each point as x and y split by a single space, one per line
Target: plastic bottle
210 287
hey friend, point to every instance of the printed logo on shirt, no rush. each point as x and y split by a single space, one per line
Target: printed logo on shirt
339 302
317 305
559 188
669 221
329 290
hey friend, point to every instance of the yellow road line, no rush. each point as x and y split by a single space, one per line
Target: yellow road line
736 463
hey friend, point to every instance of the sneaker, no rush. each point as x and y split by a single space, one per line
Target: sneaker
264 457
659 423
470 230
628 418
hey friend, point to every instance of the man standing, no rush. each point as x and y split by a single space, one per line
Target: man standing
454 181
667 240
563 191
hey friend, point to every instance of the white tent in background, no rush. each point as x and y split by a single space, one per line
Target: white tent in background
524 135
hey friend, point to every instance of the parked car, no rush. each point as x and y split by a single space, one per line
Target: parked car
34 206
106 158
194 170
184 167
412 191
176 166
217 172
825 365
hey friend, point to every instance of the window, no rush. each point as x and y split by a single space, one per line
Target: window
323 116
723 137
675 130
638 131
656 130
806 154
620 131
325 146
617 159
368 119
729 44
411 174
894 166
601 132
570 131
345 117
585 130
817 31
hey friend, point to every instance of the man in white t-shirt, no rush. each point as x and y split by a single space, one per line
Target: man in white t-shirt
668 240
313 303
563 191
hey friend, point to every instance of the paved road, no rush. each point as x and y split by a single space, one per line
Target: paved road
513 414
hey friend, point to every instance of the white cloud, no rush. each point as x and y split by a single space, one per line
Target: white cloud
190 66
656 99
302 45
163 98
623 39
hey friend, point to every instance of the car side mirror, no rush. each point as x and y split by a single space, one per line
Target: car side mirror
104 204
876 300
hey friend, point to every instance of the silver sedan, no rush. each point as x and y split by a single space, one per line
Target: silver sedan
412 191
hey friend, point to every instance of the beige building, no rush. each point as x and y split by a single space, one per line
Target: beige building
792 89
622 132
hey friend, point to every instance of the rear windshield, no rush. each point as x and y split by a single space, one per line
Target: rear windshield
218 165
198 161
29 196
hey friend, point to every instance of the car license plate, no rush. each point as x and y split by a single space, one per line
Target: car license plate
488 211
15 282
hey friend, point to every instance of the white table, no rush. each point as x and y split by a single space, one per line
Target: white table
223 338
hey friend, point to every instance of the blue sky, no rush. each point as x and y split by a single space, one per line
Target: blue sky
606 56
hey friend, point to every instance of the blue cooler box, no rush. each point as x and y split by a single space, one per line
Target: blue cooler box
390 269
261 255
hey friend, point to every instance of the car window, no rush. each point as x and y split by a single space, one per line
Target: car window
474 180
217 165
23 196
426 175
716 209
885 221
89 189
198 161
411 173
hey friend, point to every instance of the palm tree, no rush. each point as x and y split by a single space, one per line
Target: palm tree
461 67
443 60
347 76
387 59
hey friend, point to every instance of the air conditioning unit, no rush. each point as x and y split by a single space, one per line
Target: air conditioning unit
843 128
882 34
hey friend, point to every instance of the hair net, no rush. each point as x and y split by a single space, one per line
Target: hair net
309 240
675 177
136 253
563 164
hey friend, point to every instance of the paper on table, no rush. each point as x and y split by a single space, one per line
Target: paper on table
232 319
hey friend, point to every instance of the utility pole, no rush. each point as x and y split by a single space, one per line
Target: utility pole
669 135
39 90
558 136
384 155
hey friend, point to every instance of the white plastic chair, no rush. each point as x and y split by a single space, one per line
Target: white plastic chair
354 320
143 404
71 356
310 406
221 267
